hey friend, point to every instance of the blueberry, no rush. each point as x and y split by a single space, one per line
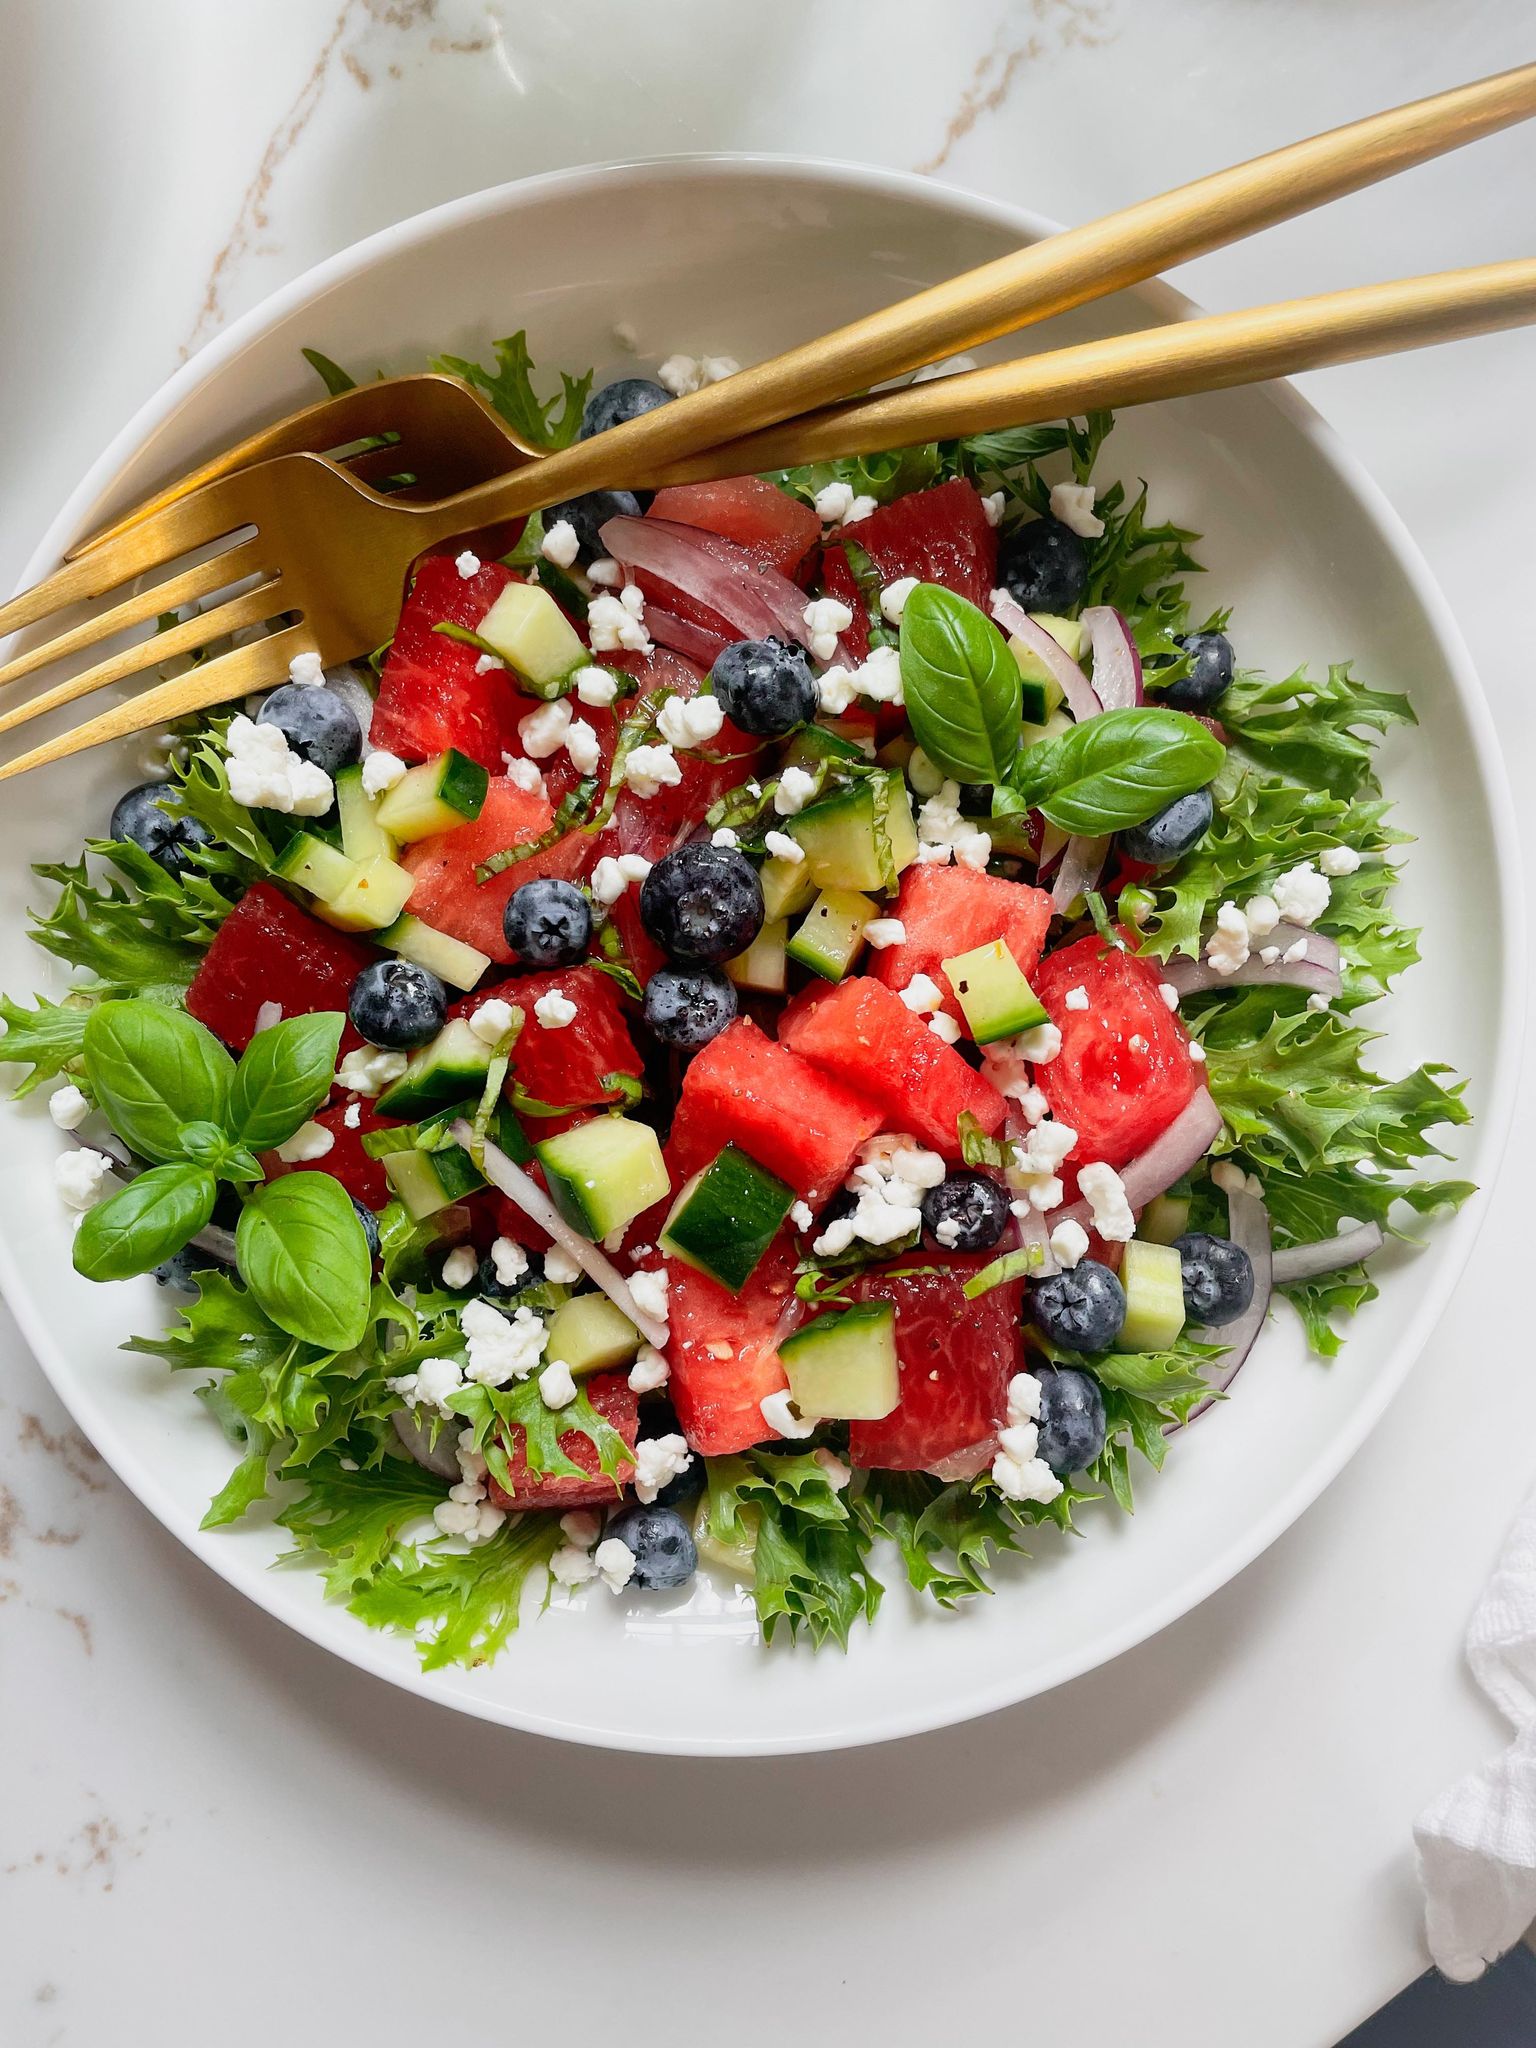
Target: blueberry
1171 832
316 723
625 400
688 1009
489 1284
396 1004
1210 674
370 1224
766 686
547 923
662 1543
702 904
1071 1418
1043 565
181 1269
974 1207
138 816
976 799
1081 1310
1218 1277
589 514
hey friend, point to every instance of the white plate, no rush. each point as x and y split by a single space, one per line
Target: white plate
745 256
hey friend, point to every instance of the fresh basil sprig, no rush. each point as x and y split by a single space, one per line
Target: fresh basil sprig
961 684
1113 771
302 1253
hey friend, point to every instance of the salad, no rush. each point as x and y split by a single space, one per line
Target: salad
793 1027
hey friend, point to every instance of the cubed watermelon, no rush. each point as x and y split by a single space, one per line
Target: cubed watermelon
950 910
566 1065
611 1396
724 1350
956 1359
802 1124
938 536
774 528
650 826
446 894
863 1033
269 951
432 693
363 1178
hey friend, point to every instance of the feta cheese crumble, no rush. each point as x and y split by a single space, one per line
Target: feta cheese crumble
893 598
80 1178
509 1262
501 1348
555 1010
796 787
523 774
605 572
266 774
596 687
942 1025
1017 1471
492 1021
1069 1243
307 670
801 1217
782 847
825 619
468 564
615 622
922 994
892 1175
1104 1192
1302 894
381 771
69 1107
1072 504
1338 860
943 834
543 731
649 1292
1077 998
1040 1045
884 932
1261 914
683 375
657 1460
1227 948
369 1069
460 1267
610 877
615 1563
649 769
560 1267
649 1371
467 1512
557 1388
560 544
778 1411
583 747
992 507
352 1116
1169 994
309 1141
724 837
833 502
690 721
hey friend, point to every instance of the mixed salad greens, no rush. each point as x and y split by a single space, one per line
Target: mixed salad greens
780 1015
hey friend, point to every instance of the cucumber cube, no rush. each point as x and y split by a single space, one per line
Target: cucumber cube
438 796
739 1558
532 635
314 864
1153 1278
832 936
842 1366
448 958
763 965
603 1174
450 1069
788 886
429 1181
372 899
726 1218
362 836
813 744
1070 635
861 838
1164 1218
991 990
589 1333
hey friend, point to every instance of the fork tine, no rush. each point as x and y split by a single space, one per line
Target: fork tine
236 674
201 581
249 609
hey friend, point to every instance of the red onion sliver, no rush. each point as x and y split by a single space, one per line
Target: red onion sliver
756 601
967 1464
533 1201
415 1433
1248 1226
1081 866
1082 698
1319 971
1295 1262
697 642
1187 1139
1035 1236
1116 660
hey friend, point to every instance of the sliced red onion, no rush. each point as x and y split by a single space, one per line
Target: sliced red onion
1318 972
1032 1231
1248 1226
213 1238
1116 659
534 1202
1081 866
217 1242
1305 1261
967 1464
697 642
757 601
1082 699
415 1432
1187 1140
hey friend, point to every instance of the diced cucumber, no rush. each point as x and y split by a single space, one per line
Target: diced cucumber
1070 635
829 940
603 1174
1042 692
1153 1279
993 993
532 635
374 897
860 838
316 866
589 1333
451 1067
787 885
1164 1218
434 1133
448 958
740 1559
726 1218
921 773
362 836
813 744
842 1366
438 796
1034 735
763 965
429 1181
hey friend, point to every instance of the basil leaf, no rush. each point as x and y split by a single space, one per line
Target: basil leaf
302 1253
210 1145
150 1219
961 684
153 1069
1118 769
284 1077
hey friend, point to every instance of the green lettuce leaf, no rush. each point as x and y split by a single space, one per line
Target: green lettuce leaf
352 1520
811 1553
461 1605
547 423
47 1039
949 1535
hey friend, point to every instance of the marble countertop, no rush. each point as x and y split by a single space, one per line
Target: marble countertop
210 1826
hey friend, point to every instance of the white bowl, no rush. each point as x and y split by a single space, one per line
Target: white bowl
745 256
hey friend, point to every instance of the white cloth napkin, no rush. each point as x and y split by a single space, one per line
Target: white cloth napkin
1477 1841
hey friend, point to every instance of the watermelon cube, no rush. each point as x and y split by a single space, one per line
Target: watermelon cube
566 1065
956 1358
432 693
938 536
363 1178
611 1396
724 1350
268 950
952 910
446 894
774 528
864 1034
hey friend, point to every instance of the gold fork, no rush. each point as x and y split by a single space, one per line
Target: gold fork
450 437
334 553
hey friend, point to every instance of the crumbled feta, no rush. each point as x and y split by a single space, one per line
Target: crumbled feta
681 375
307 670
555 1010
922 994
368 1069
690 721
1017 1471
801 1217
583 747
595 686
1293 953
614 622
266 774
509 1261
724 837
501 1348
649 1371
1041 1045
1314 1002
796 787
825 619
832 503
381 771
1169 994
648 769
1197 1052
1104 1192
80 1177
889 1181
582 1527
1077 998
893 598
560 1267
778 1411
485 663
942 1025
1261 914
649 1292
475 1521
1023 1400
1302 894
610 878
69 1107
1338 860
1269 955
467 564
460 1267
572 1566
492 1021
943 834
1069 1243
309 1141
557 1388
523 774
560 544
543 731
877 678
615 1563
1227 948
783 847
992 506
1072 504
430 1385
882 932
605 572
716 369
658 1459
947 1232
861 508
1048 1146
352 1116
838 1474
